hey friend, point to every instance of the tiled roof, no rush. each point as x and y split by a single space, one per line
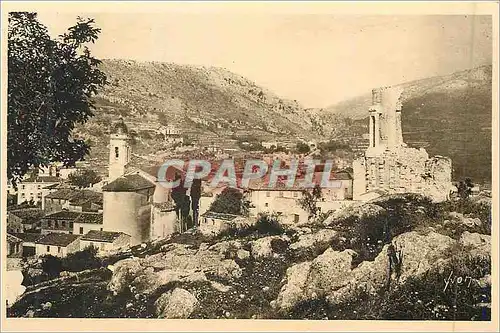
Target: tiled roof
13 239
128 183
282 185
28 216
57 239
76 197
220 216
77 217
63 215
101 236
42 179
91 218
27 237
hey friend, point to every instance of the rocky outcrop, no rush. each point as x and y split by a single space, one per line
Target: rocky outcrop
263 247
330 274
293 291
357 211
310 241
178 263
467 221
176 304
479 244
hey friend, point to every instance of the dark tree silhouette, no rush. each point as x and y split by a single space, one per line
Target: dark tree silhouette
309 201
465 188
50 85
84 178
230 201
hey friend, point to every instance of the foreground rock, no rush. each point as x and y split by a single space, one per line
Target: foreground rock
330 274
178 263
479 244
176 304
313 241
356 211
268 246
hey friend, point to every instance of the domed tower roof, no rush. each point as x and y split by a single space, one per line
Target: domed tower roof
120 127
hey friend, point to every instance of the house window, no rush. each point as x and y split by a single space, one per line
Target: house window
48 248
58 249
116 152
63 224
71 225
295 218
56 224
23 187
280 194
101 246
23 195
346 192
268 194
81 230
101 229
266 204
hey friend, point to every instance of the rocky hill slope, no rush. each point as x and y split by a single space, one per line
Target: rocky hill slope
207 104
395 258
447 115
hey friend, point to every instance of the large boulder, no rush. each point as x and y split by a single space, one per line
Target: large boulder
467 221
330 274
313 241
177 263
176 304
311 279
420 252
263 247
357 211
293 291
479 244
124 272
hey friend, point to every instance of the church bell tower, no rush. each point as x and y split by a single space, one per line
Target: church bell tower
119 150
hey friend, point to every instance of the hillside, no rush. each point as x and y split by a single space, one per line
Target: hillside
447 115
208 104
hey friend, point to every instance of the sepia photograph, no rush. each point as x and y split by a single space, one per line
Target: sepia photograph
250 162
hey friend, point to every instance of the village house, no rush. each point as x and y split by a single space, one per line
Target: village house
163 220
28 242
57 244
34 188
23 220
71 222
284 200
171 134
14 246
73 200
212 223
104 240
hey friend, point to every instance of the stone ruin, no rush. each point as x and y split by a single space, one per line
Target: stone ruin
389 165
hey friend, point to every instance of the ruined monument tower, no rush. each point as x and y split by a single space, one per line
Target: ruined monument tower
385 120
388 165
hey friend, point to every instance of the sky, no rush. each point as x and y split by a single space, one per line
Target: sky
316 59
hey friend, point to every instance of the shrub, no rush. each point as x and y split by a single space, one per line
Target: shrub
52 266
269 224
81 260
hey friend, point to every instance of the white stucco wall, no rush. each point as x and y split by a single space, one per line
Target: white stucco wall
127 212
